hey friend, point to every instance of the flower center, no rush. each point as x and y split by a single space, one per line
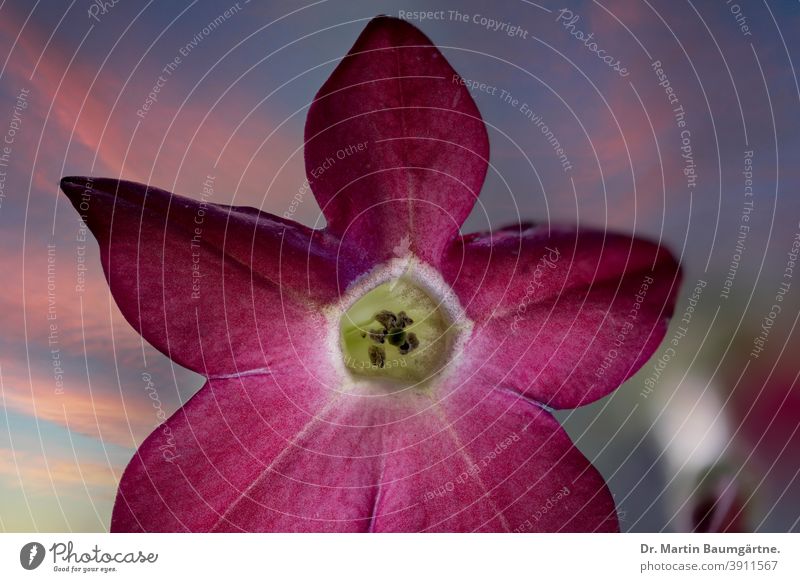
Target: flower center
395 331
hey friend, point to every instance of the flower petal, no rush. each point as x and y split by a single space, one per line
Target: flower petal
193 469
499 463
396 150
218 289
249 454
246 454
562 317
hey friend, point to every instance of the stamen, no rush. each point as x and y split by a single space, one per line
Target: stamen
386 318
399 330
377 335
411 343
377 356
396 336
403 320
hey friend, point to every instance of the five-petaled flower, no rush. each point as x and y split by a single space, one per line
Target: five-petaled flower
384 373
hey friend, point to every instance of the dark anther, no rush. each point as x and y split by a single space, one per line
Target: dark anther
393 331
403 320
396 336
377 335
386 318
411 342
377 356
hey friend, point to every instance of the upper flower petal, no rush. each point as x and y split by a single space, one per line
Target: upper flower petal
562 316
396 150
218 289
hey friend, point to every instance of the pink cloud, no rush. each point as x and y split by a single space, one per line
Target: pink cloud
84 114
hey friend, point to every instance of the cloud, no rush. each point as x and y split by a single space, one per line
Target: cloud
175 145
122 413
37 474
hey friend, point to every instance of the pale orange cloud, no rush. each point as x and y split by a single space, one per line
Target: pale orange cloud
121 415
50 299
37 474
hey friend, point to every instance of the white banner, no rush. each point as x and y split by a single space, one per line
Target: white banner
389 557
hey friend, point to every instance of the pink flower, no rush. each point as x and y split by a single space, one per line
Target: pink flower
384 373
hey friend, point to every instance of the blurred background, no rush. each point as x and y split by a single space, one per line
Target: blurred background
686 132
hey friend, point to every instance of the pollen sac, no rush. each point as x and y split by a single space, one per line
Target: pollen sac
396 331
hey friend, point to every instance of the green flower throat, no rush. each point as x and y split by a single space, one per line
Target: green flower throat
395 331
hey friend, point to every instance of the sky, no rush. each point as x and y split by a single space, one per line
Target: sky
698 98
